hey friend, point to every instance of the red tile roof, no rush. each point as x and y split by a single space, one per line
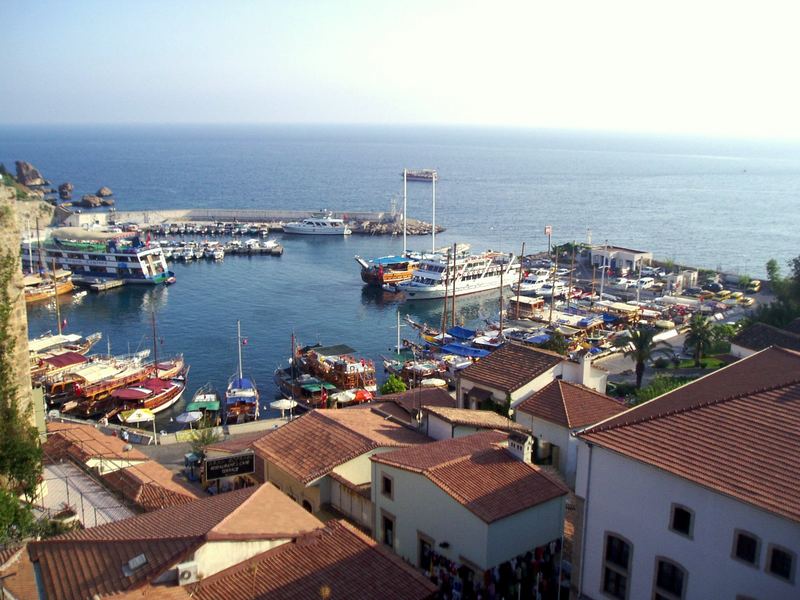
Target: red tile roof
570 405
237 443
479 473
82 563
484 419
335 562
150 486
84 442
414 399
733 431
511 367
760 335
313 444
17 574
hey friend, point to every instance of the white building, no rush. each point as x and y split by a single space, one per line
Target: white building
555 413
459 507
696 494
511 374
621 260
440 422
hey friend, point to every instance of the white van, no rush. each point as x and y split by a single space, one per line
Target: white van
645 283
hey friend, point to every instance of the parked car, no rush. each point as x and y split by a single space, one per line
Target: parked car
722 295
693 291
747 301
645 283
754 287
737 295
653 272
713 287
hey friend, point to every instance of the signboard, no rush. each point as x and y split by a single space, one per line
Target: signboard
230 466
548 229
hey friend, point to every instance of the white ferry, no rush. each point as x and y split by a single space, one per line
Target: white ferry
321 223
469 273
100 254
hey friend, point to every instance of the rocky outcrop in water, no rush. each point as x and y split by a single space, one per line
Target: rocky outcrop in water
65 190
105 192
28 175
90 201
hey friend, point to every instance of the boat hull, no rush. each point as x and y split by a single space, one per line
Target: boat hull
301 230
420 292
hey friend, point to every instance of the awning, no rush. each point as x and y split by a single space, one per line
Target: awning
461 333
206 405
461 350
66 359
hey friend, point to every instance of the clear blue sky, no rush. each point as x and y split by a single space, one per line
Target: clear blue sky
695 66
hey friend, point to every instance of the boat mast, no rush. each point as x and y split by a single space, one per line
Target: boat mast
447 277
553 289
519 279
55 295
455 277
397 348
155 342
30 247
501 301
405 208
291 365
39 248
604 268
571 271
239 346
433 228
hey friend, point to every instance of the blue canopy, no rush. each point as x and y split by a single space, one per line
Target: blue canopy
462 350
461 333
242 383
389 260
538 339
609 318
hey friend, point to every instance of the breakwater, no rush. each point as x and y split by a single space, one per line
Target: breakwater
363 222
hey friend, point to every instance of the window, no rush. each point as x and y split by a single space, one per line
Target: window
387 529
682 520
780 562
616 567
746 548
425 556
387 486
670 581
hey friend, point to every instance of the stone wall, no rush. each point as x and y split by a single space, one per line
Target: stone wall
18 325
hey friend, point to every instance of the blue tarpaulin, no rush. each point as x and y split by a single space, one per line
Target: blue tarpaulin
609 318
461 333
461 350
538 339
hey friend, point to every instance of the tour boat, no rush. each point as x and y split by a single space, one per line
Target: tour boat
445 275
105 254
321 223
386 269
308 391
532 283
155 394
338 366
421 174
241 397
37 288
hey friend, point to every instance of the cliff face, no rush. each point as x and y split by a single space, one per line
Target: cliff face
27 174
18 322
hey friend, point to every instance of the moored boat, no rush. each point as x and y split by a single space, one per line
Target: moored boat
337 365
241 396
206 401
420 174
386 269
154 394
322 223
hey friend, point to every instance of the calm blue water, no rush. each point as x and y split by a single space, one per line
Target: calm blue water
703 202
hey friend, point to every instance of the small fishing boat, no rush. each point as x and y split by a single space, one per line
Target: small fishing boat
206 401
308 391
420 174
241 397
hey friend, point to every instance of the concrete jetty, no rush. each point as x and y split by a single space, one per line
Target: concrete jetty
366 222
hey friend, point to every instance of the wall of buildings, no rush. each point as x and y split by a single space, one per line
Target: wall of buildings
558 436
520 532
420 507
634 501
213 557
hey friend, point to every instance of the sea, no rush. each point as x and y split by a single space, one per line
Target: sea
713 203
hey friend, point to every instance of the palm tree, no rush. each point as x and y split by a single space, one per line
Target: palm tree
641 348
700 338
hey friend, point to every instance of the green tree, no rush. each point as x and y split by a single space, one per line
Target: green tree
557 343
202 439
658 386
640 346
700 338
20 452
393 385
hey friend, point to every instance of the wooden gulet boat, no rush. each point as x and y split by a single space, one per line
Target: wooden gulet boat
154 394
241 397
338 366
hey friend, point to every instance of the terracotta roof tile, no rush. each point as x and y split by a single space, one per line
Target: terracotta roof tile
479 473
511 367
414 399
150 486
16 571
793 326
760 335
313 444
237 443
84 442
733 431
83 563
485 419
570 405
337 562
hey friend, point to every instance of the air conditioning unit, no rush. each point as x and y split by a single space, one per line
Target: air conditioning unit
187 573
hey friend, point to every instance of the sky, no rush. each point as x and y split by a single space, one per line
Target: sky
703 67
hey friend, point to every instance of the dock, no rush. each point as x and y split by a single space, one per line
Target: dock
97 285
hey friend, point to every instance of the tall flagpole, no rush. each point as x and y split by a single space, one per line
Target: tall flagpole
405 208
433 230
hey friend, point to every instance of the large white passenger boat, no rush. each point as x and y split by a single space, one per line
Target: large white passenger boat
318 224
101 254
469 273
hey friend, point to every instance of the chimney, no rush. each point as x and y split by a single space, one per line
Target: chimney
585 370
520 446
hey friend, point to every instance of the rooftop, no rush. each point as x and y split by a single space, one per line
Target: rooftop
150 486
84 442
733 431
313 444
570 405
83 563
335 562
511 367
486 419
479 472
760 335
